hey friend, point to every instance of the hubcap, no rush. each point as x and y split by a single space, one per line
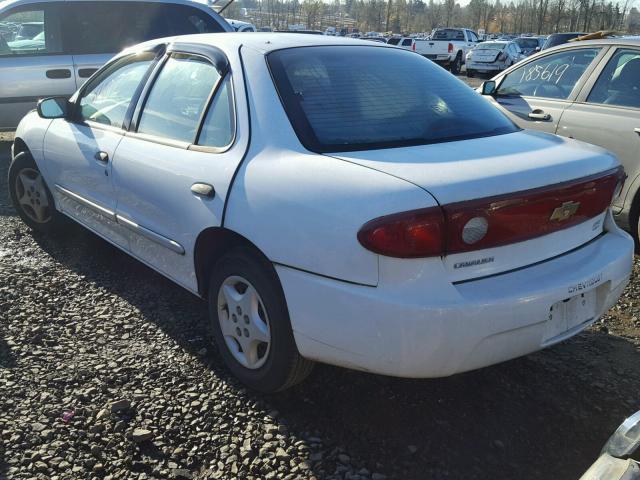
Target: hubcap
32 195
244 322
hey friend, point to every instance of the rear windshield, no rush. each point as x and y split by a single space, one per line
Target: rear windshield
491 46
341 98
527 42
448 34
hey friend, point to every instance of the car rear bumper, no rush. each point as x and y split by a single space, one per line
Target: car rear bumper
488 67
473 324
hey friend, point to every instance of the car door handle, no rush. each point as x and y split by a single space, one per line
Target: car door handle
86 72
102 157
203 190
637 130
57 73
538 114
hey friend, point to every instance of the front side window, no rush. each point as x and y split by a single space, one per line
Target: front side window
406 42
107 99
552 76
360 98
178 98
30 30
619 82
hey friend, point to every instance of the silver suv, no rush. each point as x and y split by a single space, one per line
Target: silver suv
50 48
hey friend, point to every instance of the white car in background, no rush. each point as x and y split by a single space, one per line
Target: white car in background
240 26
492 57
328 206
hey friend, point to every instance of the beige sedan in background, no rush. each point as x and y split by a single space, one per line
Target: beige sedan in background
586 90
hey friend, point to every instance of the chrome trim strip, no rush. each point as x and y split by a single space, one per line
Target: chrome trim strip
87 203
151 235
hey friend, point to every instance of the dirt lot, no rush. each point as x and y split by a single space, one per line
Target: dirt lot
91 335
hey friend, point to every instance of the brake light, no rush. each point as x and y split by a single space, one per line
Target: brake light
413 46
417 233
450 50
491 222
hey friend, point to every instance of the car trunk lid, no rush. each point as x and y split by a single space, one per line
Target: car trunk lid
540 195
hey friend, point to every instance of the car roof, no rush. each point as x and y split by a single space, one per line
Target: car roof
618 41
10 3
264 42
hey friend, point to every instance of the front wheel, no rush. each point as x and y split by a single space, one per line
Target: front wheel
30 195
456 65
250 323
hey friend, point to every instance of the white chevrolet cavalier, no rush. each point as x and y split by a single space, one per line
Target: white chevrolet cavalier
334 201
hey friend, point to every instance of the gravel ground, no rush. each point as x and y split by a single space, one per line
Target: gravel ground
106 372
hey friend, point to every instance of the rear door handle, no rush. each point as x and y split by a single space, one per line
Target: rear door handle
102 157
203 190
86 72
538 114
57 73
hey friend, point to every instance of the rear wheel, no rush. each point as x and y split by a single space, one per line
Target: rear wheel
30 195
250 323
470 73
456 65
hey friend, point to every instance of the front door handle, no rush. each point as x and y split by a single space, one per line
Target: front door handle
57 73
538 114
637 130
102 157
86 72
203 190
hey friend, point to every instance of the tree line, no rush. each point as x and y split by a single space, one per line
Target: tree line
413 16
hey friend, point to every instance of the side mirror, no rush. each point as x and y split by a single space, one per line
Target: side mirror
626 439
53 107
489 87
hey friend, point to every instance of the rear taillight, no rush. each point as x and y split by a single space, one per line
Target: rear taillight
491 222
417 233
521 216
450 50
502 57
413 46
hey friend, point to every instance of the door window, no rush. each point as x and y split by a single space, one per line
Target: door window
472 36
218 127
178 98
106 99
619 82
552 76
30 30
109 27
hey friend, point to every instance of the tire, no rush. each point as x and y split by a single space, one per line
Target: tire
456 65
243 278
469 73
31 196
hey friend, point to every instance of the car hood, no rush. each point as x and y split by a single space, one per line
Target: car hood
483 167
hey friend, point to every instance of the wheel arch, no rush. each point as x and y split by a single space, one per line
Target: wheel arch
213 243
19 146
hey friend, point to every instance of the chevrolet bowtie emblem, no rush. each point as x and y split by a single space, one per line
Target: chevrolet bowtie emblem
565 211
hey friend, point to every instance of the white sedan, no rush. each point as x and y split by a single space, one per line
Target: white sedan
328 205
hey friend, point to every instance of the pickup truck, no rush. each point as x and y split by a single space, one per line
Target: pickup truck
448 47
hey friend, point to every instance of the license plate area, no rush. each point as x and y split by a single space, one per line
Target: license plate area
570 314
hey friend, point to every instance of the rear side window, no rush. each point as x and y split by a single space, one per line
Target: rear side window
109 27
552 76
342 98
31 30
218 127
393 41
178 98
406 42
619 82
